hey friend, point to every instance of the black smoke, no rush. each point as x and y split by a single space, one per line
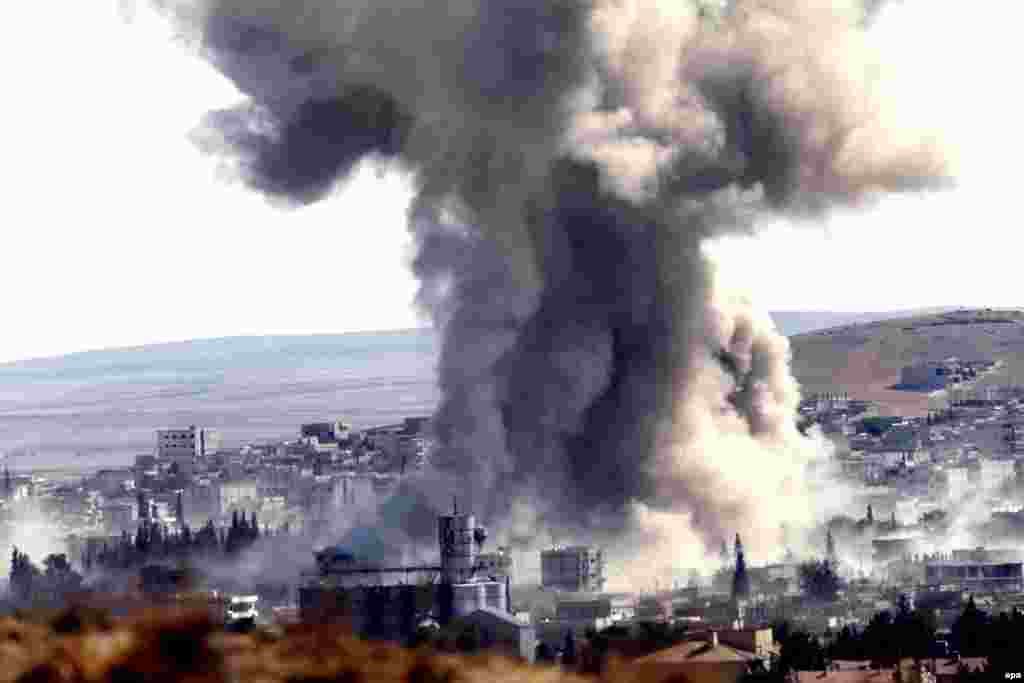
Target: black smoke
570 159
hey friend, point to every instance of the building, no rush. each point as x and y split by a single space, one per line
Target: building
497 565
201 501
575 569
987 555
976 576
193 442
957 482
326 432
933 374
119 516
238 495
113 482
503 632
994 473
705 657
388 602
579 614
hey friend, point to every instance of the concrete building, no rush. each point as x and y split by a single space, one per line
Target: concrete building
370 598
994 473
932 375
574 569
497 565
957 482
201 501
504 633
706 658
193 441
326 432
976 577
578 614
113 482
240 495
118 516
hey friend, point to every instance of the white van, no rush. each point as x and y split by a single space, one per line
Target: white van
241 610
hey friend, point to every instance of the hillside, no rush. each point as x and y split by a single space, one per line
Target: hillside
790 323
865 359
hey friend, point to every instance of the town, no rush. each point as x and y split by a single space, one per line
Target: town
935 550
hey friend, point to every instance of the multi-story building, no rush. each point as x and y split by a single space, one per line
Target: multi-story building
193 441
933 374
957 482
326 433
497 565
119 515
240 495
201 501
573 569
976 576
113 482
993 473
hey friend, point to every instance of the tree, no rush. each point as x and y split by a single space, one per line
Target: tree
914 630
819 581
468 640
59 578
569 649
179 510
740 579
969 630
800 651
24 577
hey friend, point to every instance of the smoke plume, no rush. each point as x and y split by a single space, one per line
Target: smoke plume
570 159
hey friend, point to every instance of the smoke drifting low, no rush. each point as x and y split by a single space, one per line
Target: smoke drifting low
570 159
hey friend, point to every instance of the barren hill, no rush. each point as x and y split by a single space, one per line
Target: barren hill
865 359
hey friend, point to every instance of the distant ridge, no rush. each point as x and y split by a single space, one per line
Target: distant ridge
788 323
207 345
792 323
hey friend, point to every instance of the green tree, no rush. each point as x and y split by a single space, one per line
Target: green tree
969 632
569 650
800 652
819 581
740 579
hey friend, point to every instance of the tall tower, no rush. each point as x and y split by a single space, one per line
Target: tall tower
460 540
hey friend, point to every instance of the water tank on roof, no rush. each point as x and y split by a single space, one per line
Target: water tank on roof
457 539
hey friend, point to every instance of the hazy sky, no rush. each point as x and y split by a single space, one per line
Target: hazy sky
118 231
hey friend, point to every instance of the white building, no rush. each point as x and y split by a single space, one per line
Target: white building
574 569
957 482
242 495
193 441
995 472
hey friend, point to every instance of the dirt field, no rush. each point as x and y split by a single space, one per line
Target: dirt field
866 360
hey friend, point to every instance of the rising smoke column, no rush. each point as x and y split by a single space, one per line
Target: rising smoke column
570 159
